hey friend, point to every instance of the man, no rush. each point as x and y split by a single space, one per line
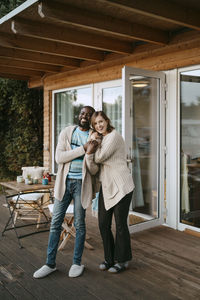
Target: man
72 182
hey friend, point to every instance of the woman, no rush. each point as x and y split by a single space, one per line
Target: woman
115 192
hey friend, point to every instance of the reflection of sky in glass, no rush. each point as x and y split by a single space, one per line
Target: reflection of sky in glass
83 97
192 73
110 95
190 91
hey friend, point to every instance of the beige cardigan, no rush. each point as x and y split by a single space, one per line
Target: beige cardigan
64 155
115 176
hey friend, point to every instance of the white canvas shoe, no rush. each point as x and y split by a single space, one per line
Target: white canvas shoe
76 270
43 272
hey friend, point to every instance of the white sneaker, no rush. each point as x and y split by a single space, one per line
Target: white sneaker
76 270
43 272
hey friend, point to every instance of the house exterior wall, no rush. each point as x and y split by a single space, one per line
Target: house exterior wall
184 53
47 129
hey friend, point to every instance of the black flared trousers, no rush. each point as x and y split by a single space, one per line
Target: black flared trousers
118 250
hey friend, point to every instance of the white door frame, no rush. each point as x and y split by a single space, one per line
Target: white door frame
126 112
173 149
98 88
172 145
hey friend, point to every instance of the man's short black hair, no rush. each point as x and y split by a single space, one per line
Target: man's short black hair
90 107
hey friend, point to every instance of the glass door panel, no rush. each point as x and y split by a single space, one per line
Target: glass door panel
112 105
143 94
66 107
190 148
108 97
145 144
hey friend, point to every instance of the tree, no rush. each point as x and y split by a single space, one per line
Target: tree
6 6
21 127
21 120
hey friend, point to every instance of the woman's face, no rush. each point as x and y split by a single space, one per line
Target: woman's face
100 125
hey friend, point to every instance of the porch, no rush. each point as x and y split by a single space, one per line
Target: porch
165 265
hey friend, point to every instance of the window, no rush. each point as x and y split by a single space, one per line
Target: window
67 104
109 99
190 147
112 105
66 107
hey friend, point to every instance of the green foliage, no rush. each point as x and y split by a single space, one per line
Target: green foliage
21 127
21 120
6 6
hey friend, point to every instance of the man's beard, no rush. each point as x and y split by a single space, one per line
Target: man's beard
85 125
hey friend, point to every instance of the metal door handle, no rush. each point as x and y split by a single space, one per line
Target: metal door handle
129 160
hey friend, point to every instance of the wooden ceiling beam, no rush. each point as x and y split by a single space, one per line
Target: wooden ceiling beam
162 10
28 65
70 36
23 72
35 83
39 57
85 19
49 47
14 76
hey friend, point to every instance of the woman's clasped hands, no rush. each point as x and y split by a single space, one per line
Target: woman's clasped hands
92 146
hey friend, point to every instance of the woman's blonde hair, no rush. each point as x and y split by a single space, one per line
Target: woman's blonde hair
104 116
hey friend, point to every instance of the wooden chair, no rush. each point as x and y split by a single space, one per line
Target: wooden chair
68 227
28 207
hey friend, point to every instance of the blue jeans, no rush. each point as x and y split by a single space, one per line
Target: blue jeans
72 191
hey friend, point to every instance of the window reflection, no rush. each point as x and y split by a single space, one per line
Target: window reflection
145 141
67 105
190 147
112 105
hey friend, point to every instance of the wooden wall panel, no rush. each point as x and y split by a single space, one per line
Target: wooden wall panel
181 47
47 133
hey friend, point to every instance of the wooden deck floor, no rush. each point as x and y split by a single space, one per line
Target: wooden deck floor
165 265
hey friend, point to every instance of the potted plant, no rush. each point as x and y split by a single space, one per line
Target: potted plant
28 179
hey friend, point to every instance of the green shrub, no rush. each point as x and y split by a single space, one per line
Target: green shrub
21 127
6 6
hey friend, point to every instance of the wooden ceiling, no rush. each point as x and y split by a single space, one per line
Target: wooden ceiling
41 38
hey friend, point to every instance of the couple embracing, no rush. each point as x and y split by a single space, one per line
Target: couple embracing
86 156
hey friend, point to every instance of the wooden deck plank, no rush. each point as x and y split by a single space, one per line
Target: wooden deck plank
49 290
9 282
25 280
165 265
174 262
168 276
166 257
173 242
4 293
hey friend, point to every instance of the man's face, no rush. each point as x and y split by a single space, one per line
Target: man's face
85 117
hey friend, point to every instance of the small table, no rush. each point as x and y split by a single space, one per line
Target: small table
22 189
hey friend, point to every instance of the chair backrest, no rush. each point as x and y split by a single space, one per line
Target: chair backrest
34 172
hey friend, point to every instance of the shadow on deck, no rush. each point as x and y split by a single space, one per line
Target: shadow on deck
165 265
